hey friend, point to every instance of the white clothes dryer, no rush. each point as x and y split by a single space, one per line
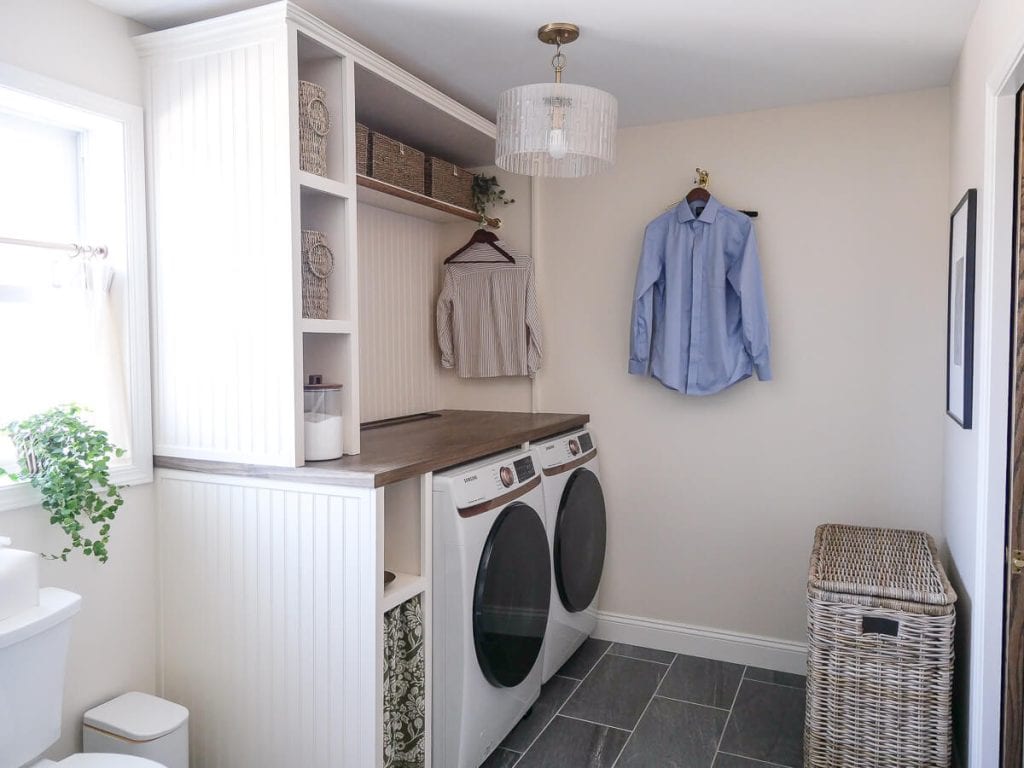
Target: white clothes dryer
577 534
491 594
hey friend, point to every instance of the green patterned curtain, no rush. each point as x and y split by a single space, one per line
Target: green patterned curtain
404 704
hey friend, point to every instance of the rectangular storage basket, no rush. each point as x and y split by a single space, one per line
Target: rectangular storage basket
880 651
362 149
314 125
395 163
447 182
317 266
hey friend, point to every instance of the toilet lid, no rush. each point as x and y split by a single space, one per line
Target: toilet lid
137 716
103 760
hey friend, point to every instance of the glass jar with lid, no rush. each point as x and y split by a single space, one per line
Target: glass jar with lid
322 422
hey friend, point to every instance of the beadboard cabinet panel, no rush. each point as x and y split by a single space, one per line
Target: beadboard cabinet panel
221 212
398 286
282 579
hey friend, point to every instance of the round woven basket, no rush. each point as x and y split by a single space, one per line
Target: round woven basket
314 125
317 266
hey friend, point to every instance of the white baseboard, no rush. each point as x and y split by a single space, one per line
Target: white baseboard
752 650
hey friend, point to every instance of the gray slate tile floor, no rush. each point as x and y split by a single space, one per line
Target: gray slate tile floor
622 706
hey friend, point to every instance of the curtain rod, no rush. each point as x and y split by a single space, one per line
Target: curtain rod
75 248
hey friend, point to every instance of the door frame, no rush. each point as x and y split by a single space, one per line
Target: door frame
1012 689
996 216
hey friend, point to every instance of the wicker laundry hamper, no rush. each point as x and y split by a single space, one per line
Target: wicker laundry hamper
317 266
314 125
880 651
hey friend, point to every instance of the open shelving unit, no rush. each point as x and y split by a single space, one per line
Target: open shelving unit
326 204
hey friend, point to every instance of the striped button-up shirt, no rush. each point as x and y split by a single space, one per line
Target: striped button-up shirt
699 320
487 318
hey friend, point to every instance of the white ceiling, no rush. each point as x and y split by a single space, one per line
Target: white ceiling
663 59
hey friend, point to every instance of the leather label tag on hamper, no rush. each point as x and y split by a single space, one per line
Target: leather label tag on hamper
873 625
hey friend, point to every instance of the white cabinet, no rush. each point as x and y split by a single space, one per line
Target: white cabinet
227 204
272 596
270 622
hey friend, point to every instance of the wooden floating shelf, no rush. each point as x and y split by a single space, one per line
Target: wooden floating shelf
405 587
380 194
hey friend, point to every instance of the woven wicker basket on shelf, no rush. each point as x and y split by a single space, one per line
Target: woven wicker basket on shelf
317 266
395 163
880 651
447 182
314 125
362 149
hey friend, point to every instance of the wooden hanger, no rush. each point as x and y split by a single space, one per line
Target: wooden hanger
485 237
700 193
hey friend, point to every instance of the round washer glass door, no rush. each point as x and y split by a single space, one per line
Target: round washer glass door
512 596
580 537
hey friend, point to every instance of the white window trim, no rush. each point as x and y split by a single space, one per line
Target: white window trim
140 470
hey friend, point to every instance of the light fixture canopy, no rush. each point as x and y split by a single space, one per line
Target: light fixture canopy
556 129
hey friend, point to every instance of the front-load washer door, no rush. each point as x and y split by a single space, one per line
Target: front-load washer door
579 541
512 596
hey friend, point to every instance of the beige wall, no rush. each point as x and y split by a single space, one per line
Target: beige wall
973 504
713 502
113 647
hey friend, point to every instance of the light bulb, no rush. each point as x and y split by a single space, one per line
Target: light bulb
556 144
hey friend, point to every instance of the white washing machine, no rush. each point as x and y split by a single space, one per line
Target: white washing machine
491 593
577 533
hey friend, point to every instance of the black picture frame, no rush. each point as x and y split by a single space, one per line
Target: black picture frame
963 238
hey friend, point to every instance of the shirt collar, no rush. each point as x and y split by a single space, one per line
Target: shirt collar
707 216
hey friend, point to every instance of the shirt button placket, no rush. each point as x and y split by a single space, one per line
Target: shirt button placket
696 306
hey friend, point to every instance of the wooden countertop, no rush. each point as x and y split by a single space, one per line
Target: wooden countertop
400 451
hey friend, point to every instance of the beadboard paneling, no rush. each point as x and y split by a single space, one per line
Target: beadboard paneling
220 201
269 620
398 285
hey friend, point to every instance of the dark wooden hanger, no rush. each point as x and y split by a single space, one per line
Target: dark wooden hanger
487 238
698 195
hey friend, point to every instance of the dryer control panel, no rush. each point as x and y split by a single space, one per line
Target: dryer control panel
486 482
565 449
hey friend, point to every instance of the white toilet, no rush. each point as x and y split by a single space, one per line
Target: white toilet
33 655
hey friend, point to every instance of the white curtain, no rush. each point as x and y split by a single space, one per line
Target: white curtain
60 318
92 339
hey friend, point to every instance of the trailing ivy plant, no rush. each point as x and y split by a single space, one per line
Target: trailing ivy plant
487 192
68 460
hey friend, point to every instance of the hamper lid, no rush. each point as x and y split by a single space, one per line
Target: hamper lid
850 563
137 716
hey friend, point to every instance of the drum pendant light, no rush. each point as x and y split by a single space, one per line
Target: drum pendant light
556 129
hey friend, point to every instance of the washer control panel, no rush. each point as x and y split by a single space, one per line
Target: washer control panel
487 482
565 449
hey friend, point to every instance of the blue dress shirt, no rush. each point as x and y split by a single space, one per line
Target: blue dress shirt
699 321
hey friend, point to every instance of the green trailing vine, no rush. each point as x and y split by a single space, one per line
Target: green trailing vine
487 192
68 460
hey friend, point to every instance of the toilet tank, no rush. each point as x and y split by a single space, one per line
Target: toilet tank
33 656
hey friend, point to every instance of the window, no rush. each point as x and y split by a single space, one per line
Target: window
73 321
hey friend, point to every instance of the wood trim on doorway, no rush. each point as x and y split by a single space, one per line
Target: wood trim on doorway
1013 628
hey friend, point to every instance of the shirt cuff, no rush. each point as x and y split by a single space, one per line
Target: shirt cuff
638 367
764 370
